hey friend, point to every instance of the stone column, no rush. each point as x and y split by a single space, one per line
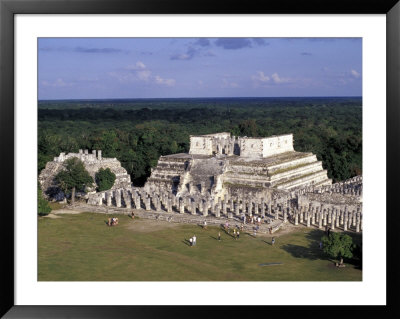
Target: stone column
333 218
296 218
354 218
330 215
301 214
203 188
345 221
109 198
276 211
137 201
218 210
127 200
169 205
312 216
100 200
358 222
147 203
231 205
308 218
118 198
262 208
158 204
249 208
325 217
224 208
337 218
205 208
320 215
181 206
284 216
237 213
193 208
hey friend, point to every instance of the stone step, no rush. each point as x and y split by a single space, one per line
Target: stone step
302 181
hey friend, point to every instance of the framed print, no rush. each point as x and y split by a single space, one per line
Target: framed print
156 57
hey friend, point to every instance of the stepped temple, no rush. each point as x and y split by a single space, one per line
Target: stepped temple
218 164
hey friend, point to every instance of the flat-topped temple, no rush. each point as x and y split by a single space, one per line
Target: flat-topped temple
219 164
223 143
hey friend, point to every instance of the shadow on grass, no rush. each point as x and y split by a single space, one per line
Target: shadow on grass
267 242
311 252
186 242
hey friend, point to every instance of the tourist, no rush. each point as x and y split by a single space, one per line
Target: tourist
109 222
234 234
191 241
133 215
237 234
205 225
194 240
219 236
320 245
254 232
259 220
273 241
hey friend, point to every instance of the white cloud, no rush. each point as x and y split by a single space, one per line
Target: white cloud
355 74
56 83
261 77
138 66
277 79
161 81
227 84
139 72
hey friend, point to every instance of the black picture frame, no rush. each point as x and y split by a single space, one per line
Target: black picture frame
8 8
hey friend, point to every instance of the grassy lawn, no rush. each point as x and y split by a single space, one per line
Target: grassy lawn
81 247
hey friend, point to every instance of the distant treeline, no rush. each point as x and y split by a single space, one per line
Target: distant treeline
328 127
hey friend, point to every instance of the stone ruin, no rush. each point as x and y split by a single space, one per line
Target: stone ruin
92 164
229 177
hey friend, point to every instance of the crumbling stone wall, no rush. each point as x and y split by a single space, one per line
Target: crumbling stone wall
92 164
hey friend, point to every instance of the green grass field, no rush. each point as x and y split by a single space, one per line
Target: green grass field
81 247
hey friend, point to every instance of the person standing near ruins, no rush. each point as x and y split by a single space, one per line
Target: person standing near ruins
194 240
219 236
191 241
273 241
237 234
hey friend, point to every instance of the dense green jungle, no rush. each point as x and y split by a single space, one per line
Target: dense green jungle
138 131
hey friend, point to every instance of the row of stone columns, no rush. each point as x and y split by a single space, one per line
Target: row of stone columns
310 215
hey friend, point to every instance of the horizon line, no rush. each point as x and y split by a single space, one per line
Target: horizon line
210 97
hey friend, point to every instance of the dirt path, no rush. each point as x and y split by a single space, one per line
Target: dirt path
149 225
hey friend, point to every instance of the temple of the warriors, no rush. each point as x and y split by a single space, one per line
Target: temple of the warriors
224 177
93 162
218 164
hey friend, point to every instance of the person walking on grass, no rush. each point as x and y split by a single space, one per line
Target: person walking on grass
194 240
219 236
237 234
191 241
234 233
273 241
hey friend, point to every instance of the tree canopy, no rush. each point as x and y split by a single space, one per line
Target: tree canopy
137 132
104 179
338 245
43 205
73 177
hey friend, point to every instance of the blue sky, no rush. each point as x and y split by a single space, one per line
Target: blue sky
101 68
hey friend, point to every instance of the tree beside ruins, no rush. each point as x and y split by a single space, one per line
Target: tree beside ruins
73 177
338 246
43 205
105 179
